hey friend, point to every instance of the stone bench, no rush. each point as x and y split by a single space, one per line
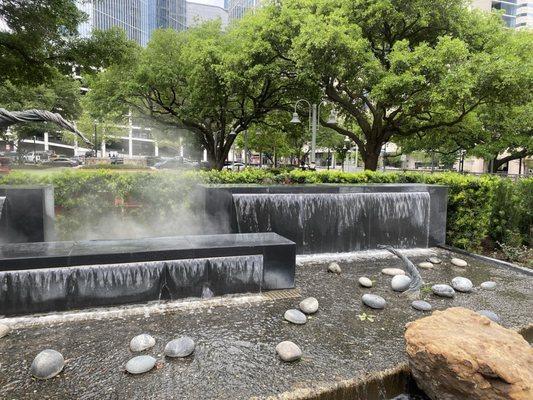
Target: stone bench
54 276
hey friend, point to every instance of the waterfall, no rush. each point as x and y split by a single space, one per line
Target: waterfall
2 202
338 222
56 289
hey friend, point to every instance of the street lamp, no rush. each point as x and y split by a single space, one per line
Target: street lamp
314 114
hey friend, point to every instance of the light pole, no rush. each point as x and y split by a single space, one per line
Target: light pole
314 114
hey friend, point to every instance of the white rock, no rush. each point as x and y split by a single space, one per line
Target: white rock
288 351
334 268
392 271
181 347
47 364
489 285
4 330
425 265
400 283
295 316
462 284
490 315
140 364
309 305
458 262
141 342
365 282
434 260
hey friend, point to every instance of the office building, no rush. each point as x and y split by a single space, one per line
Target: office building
198 13
238 8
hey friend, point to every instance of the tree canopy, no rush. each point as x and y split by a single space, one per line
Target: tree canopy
397 68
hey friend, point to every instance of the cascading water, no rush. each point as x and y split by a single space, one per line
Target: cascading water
2 201
338 222
56 289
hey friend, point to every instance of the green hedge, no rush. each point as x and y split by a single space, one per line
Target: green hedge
481 210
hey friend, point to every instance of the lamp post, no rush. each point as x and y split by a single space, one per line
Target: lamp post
314 114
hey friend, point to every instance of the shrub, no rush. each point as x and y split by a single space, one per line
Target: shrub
478 207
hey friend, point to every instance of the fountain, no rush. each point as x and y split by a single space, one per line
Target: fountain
333 218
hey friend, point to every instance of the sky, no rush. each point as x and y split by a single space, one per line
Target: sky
219 3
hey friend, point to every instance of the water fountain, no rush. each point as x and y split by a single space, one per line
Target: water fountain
333 218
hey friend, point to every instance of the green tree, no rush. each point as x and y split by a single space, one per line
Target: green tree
214 84
396 68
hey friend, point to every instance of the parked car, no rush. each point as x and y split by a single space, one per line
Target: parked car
61 162
234 166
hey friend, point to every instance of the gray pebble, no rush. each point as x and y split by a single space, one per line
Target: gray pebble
462 284
365 282
490 315
47 364
334 268
295 316
489 285
4 330
434 260
400 283
374 301
140 364
182 347
141 342
309 305
421 305
288 351
443 290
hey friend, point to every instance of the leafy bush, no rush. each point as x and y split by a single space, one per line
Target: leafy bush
478 207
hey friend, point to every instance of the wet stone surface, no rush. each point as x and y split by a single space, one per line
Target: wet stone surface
235 356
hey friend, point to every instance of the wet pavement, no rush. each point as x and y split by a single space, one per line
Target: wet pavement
235 356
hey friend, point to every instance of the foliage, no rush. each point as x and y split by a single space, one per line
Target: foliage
518 254
475 204
396 69
214 84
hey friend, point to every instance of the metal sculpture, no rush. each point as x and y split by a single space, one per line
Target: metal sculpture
8 118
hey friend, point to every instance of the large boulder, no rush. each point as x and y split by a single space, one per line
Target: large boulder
459 354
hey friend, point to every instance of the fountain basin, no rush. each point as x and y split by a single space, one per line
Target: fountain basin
54 276
332 218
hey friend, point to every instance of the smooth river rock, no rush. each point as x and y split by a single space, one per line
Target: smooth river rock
490 315
434 260
374 301
309 305
334 268
400 283
295 316
458 262
458 354
182 347
140 364
462 284
443 290
4 330
288 351
47 364
489 285
365 282
141 342
392 271
421 305
425 265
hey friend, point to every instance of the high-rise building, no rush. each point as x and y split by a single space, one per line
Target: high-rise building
138 18
237 8
516 13
198 13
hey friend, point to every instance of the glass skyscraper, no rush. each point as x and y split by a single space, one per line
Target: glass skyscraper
516 13
138 18
237 8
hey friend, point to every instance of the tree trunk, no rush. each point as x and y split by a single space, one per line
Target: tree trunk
371 157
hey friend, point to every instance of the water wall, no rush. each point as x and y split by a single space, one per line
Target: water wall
333 218
56 289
